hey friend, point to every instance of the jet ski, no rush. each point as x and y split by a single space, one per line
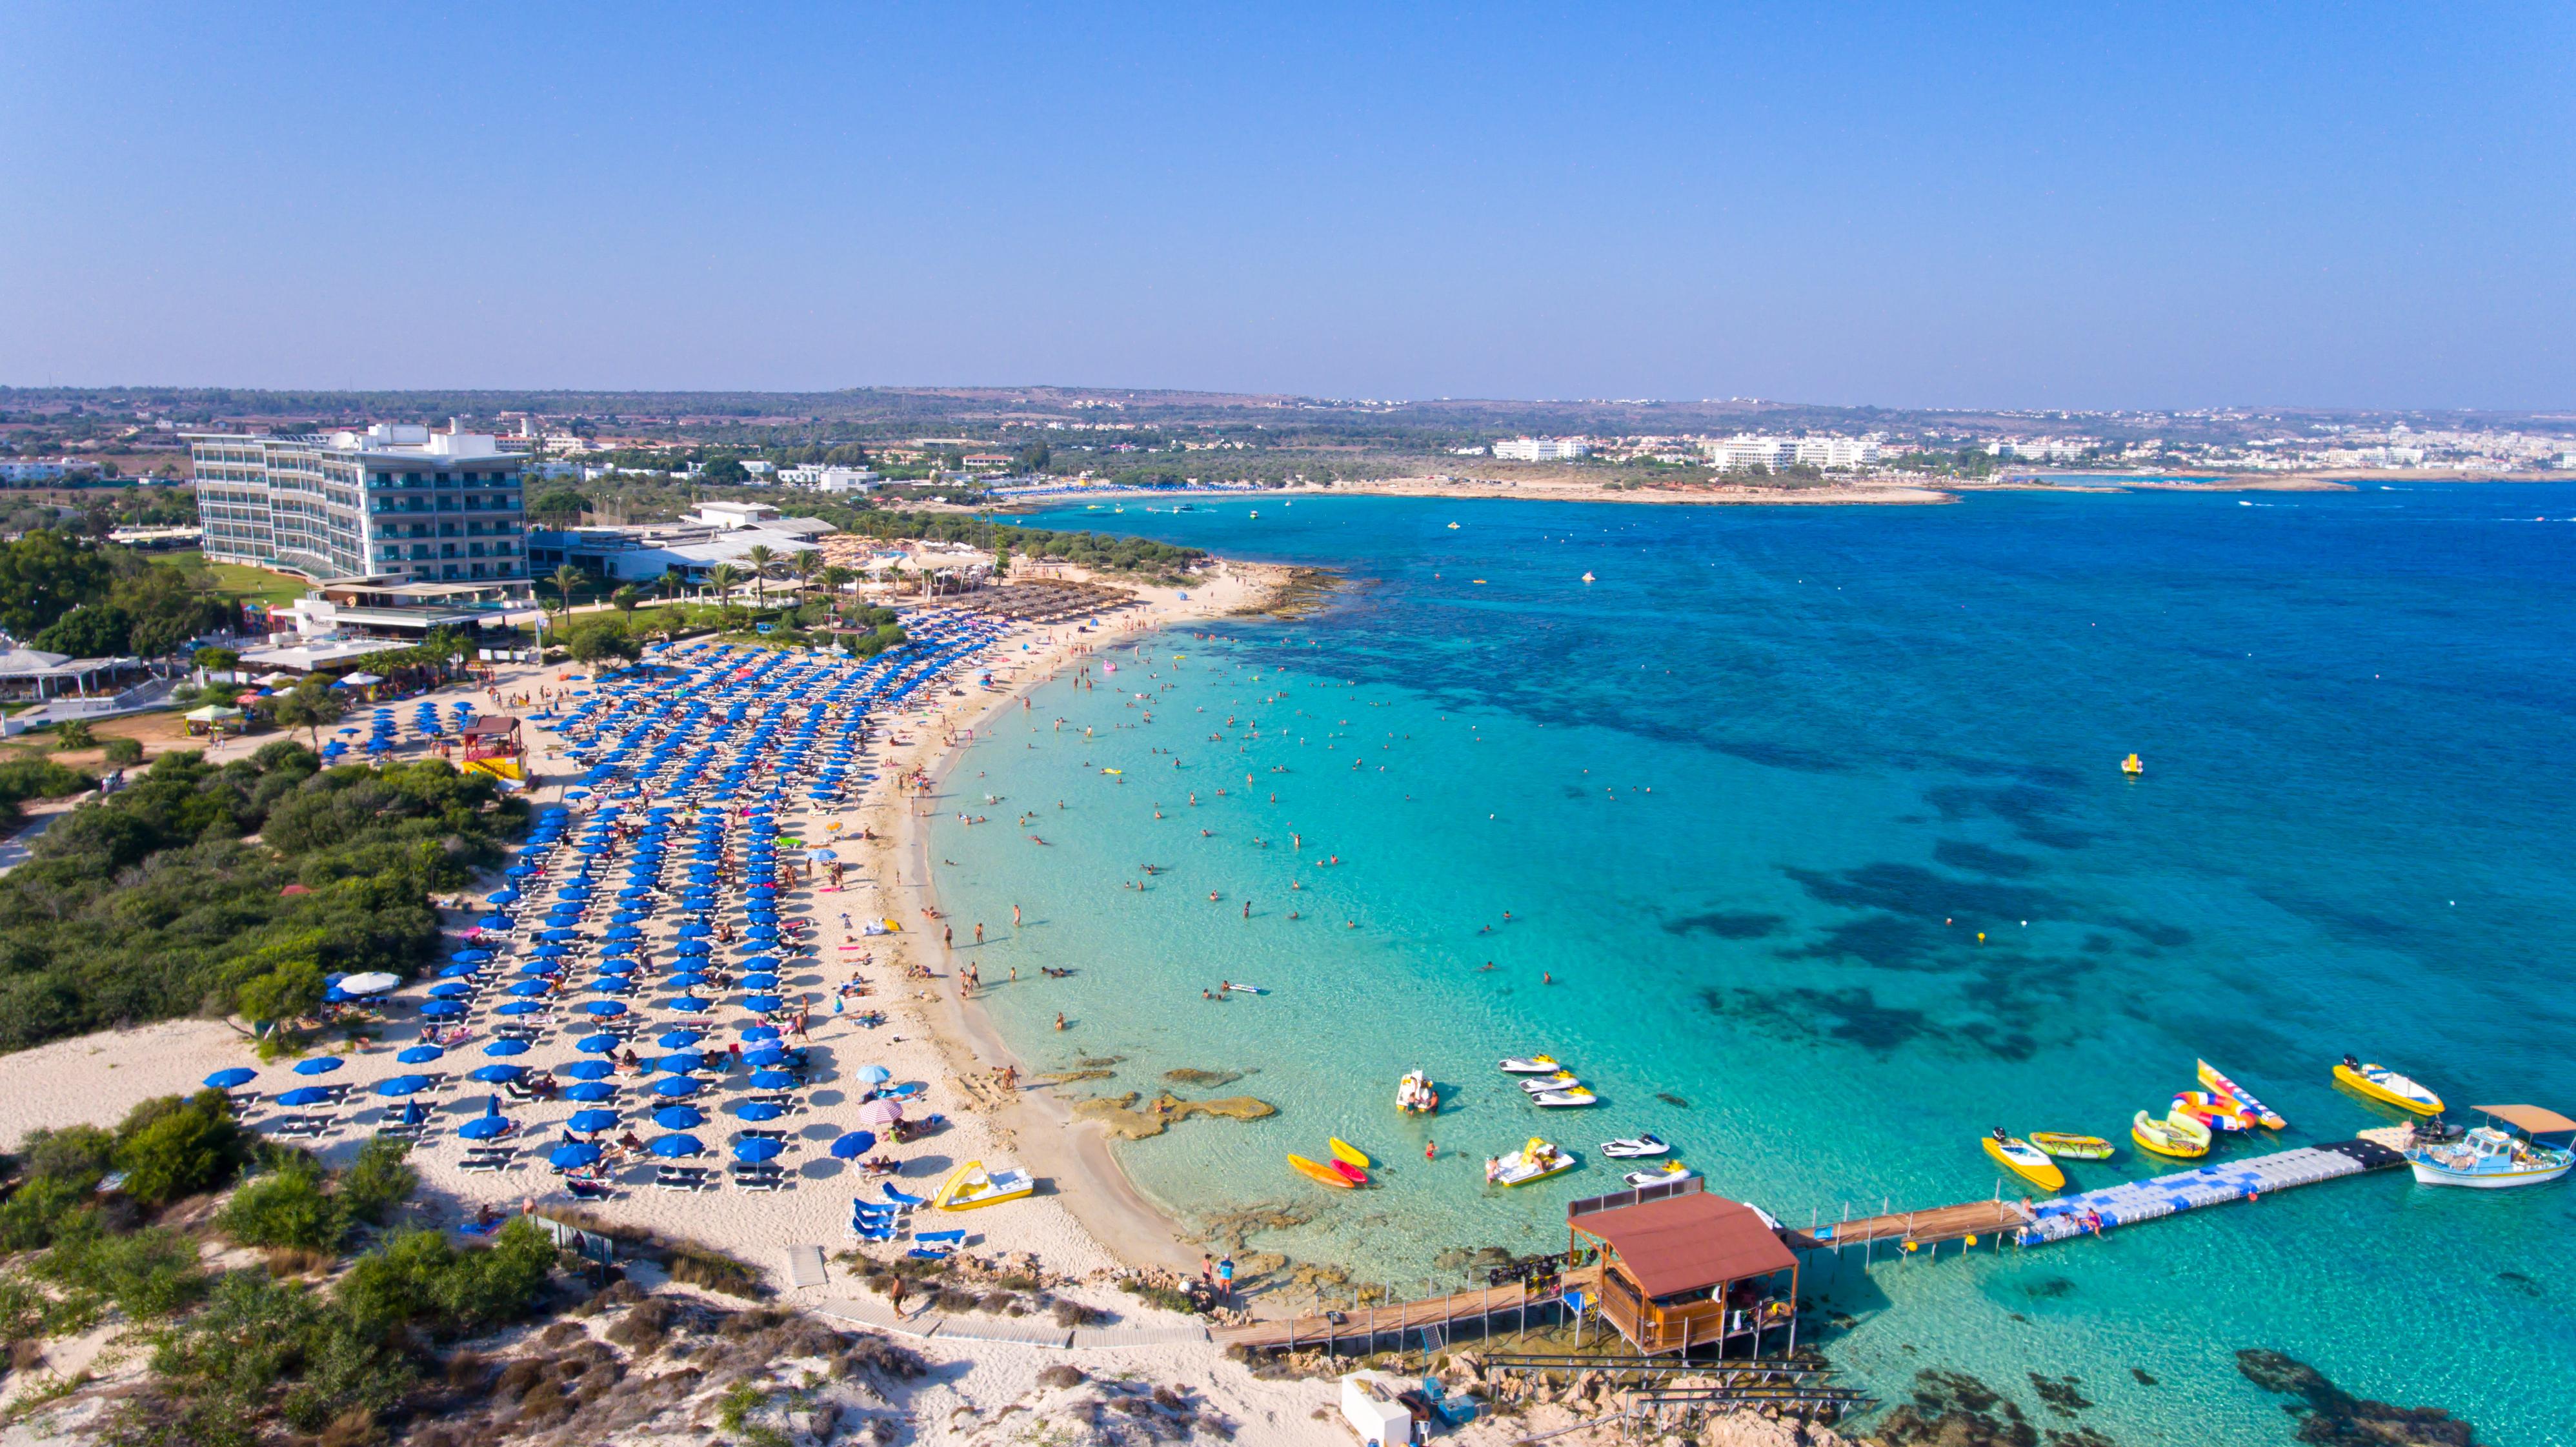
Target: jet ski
1628 1148
1553 1099
1535 1065
1561 1080
1668 1171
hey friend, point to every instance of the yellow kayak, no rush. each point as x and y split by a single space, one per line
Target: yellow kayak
2178 1136
1322 1174
2026 1161
2071 1147
2388 1087
1344 1151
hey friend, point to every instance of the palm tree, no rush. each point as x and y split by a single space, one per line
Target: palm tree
837 580
566 578
308 708
760 556
626 597
807 566
724 578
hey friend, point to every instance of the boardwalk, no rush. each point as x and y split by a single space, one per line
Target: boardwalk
1924 1228
1363 1325
2134 1201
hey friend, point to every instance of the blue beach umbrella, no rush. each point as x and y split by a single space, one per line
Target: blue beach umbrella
460 972
442 1009
231 1077
530 989
450 990
471 957
757 1148
304 1095
499 1074
675 1087
686 980
403 1085
679 1117
689 1005
597 1044
591 1121
420 1054
603 1008
872 1075
759 963
761 1005
518 1007
588 1070
590 1090
765 1056
484 1127
506 1047
318 1065
759 982
672 1147
681 1062
758 1110
854 1145
493 922
679 1039
773 1080
575 1154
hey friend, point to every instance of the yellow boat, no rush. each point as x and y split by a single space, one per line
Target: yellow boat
1344 1151
971 1186
1322 1174
2132 765
2071 1147
2178 1136
2026 1161
2388 1087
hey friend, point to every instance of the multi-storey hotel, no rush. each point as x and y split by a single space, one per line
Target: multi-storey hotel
396 502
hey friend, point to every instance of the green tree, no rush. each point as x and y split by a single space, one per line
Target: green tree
309 706
73 735
596 640
761 557
565 579
625 598
807 566
724 578
171 1148
561 507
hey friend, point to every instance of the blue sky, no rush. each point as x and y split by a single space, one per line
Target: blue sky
2051 205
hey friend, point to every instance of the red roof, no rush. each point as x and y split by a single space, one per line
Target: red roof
497 723
1683 1243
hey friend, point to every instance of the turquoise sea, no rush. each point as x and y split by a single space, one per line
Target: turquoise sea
1751 797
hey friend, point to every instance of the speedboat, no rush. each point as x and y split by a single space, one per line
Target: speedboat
1535 1161
2071 1147
1554 1099
1535 1065
1658 1175
2387 1087
2177 1135
2264 1115
2494 1157
1634 1147
972 1185
1416 1095
2025 1160
1560 1080
2216 1111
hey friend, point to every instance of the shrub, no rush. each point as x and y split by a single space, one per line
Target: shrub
378 1180
286 1207
1074 1313
148 1274
73 735
418 1278
124 752
171 1148
35 1213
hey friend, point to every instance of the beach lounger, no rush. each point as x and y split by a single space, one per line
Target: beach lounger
901 1198
398 1132
242 1100
750 1132
931 1253
872 1230
940 1238
484 1163
589 1190
302 1127
677 1178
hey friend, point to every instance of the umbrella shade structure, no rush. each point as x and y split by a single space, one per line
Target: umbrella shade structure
518 1007
460 972
419 1054
493 922
574 1156
530 989
676 1145
762 1004
675 1087
854 1145
374 982
759 964
603 1008
688 1005
450 990
766 1056
762 982
471 957
588 1070
442 1009
773 1080
484 1127
404 1085
231 1077
872 1075
597 1044
499 1074
679 1117
588 1121
590 1090
881 1112
303 1095
679 1039
759 1110
545 969
506 1047
760 1033
686 980
757 1148
681 1062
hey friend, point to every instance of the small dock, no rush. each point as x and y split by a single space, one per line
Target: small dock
1429 1320
2066 1217
1923 1228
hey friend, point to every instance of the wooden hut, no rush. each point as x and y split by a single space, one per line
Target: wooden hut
1687 1270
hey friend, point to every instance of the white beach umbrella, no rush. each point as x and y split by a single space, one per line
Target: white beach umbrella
373 983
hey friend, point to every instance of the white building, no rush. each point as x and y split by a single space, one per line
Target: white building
1543 449
829 479
396 501
1748 450
39 470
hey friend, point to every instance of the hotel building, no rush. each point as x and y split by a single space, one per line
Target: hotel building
396 502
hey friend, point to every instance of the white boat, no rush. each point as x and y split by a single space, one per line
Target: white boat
1635 1147
1416 1095
1534 1065
973 1185
2496 1157
1561 1080
1560 1099
1535 1161
1658 1175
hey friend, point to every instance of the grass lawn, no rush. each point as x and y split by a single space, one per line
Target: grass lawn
240 580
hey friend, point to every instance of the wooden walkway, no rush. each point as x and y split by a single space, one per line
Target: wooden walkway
1361 1326
1924 1228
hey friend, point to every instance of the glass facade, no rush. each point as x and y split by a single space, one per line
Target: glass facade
335 508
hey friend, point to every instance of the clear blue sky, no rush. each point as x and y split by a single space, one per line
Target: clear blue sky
1983 205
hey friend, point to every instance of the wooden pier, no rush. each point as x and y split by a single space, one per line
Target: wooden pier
1923 1228
1361 1327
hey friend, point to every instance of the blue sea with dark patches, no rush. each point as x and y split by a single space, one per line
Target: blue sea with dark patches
1819 861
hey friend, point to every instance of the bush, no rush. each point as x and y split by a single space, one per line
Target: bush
378 1180
34 1214
124 753
148 1274
418 1278
171 1148
286 1207
73 735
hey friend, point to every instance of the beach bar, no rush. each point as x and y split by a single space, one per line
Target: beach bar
1687 1270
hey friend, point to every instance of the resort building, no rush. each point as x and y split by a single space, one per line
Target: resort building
1543 449
396 501
1747 450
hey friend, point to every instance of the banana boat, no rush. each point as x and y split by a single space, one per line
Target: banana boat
2025 1160
2388 1087
2178 1136
2071 1147
2216 1111
2264 1115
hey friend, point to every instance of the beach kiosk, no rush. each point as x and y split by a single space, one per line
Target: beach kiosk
1373 1404
214 719
1687 1270
492 747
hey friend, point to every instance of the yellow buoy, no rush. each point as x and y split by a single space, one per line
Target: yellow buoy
2132 765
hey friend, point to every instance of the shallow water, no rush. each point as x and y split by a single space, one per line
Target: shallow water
1750 799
